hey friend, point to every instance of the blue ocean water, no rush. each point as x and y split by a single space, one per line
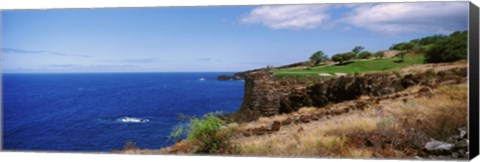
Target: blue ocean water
82 112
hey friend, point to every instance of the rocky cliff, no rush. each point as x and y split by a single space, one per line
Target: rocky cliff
263 94
266 95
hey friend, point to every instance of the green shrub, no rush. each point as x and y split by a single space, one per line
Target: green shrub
419 45
379 54
209 134
176 134
318 57
364 55
426 48
449 49
348 56
343 57
338 58
430 39
404 46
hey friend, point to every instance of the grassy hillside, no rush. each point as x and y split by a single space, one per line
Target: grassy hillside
345 135
355 66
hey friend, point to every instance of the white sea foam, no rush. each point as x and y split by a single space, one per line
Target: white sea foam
132 120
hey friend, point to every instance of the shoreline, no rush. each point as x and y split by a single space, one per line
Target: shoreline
278 123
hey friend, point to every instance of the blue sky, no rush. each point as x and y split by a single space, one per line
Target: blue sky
221 38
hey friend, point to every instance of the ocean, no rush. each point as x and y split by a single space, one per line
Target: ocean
101 112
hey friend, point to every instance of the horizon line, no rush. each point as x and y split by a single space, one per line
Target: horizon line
107 72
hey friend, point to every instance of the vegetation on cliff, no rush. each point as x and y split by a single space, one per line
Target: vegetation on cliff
438 48
207 134
430 49
355 67
452 48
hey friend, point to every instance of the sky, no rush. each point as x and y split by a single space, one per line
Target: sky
210 39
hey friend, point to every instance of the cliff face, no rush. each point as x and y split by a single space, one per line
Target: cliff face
267 96
263 94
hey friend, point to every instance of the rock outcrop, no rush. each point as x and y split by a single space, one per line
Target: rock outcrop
266 95
230 77
263 94
455 146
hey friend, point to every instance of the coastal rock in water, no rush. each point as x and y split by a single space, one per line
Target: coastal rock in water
236 76
228 77
224 77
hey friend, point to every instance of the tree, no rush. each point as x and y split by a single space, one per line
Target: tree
348 56
404 46
451 48
431 39
338 58
418 45
379 54
357 49
318 57
364 55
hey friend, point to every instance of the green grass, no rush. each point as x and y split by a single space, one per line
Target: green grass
206 133
354 67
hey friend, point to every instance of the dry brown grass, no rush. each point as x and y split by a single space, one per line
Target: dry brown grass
262 121
436 67
438 117
323 137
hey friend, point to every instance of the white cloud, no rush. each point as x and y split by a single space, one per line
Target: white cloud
396 18
288 16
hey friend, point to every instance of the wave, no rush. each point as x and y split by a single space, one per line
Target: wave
133 120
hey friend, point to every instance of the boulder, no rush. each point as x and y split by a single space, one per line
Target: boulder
425 91
276 126
315 117
438 147
463 132
304 119
287 121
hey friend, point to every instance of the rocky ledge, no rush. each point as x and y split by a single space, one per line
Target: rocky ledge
266 95
230 77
